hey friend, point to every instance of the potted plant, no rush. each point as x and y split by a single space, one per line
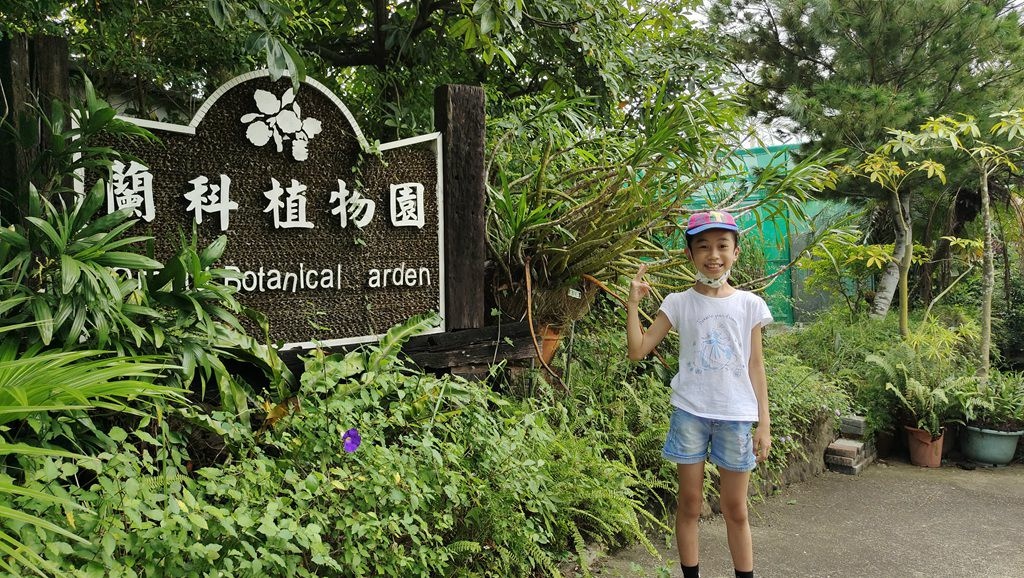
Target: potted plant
929 406
994 415
923 394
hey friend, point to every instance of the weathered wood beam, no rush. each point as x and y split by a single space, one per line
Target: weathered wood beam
484 346
459 117
15 83
456 350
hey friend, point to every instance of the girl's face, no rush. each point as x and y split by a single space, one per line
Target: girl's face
713 252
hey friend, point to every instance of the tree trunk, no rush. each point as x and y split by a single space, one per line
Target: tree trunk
891 276
988 279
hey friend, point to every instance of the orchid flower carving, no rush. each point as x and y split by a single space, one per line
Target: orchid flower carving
280 120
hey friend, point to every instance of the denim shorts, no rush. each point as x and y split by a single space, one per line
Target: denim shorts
692 439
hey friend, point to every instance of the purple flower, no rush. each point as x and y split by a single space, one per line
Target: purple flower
351 440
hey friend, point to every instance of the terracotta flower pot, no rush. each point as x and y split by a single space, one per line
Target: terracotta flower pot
550 336
924 451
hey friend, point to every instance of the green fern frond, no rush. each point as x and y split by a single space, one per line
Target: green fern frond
507 559
542 559
580 545
462 548
603 527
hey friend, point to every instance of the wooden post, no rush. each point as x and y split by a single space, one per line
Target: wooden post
14 81
459 117
50 67
32 73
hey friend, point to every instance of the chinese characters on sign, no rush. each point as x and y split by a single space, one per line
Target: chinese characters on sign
207 198
407 205
294 206
132 187
352 206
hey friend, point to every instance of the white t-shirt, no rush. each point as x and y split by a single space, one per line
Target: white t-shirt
714 350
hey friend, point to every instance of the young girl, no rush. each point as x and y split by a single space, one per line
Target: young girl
720 389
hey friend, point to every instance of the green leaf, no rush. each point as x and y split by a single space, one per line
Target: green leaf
213 252
105 223
44 319
277 58
12 238
100 118
125 260
487 21
93 201
256 41
12 514
70 273
296 65
220 12
118 434
48 230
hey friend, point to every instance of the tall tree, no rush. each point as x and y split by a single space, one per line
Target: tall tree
845 71
388 56
999 148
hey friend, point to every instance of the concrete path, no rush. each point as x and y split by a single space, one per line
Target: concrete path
893 520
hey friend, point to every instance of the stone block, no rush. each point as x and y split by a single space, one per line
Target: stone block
845 447
852 426
848 470
850 465
833 460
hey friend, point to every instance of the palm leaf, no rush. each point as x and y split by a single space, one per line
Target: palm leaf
386 353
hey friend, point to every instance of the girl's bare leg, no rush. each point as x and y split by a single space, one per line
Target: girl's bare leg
688 508
733 492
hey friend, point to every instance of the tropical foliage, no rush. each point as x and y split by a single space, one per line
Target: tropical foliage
382 470
996 404
94 333
72 277
34 383
570 201
845 73
387 57
608 122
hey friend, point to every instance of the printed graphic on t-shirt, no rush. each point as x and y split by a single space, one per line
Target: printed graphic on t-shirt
716 347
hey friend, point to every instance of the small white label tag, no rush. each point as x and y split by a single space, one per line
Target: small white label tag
575 294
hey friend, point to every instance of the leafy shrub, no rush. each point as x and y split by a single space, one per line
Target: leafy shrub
800 398
925 394
449 480
842 266
996 403
62 281
33 384
851 347
836 344
64 269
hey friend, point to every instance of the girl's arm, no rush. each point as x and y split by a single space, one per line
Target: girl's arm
763 432
640 344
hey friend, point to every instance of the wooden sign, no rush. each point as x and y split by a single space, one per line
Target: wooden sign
334 240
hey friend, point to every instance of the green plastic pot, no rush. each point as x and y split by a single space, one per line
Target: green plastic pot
990 447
